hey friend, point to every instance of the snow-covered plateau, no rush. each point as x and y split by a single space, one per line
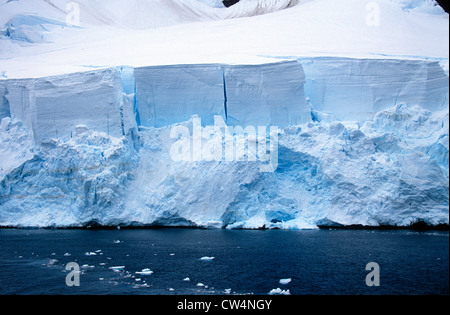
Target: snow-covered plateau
167 113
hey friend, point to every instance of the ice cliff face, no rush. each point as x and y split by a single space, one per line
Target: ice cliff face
98 146
393 170
51 107
266 94
357 89
62 182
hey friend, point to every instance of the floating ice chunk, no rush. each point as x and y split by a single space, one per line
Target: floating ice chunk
279 292
67 254
285 281
186 279
171 289
200 284
52 262
90 254
87 266
206 258
117 242
144 272
172 254
117 268
227 291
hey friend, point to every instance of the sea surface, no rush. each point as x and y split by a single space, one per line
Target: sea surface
222 262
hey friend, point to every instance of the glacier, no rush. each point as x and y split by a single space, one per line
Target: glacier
115 168
88 118
31 21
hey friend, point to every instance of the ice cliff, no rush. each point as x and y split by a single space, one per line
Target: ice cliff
265 94
96 146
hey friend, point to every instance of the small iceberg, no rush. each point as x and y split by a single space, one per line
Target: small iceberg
87 266
117 268
52 262
144 272
206 258
285 281
279 292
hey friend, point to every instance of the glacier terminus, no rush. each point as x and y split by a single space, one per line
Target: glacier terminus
353 117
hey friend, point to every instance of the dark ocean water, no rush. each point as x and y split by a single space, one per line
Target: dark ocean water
245 262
